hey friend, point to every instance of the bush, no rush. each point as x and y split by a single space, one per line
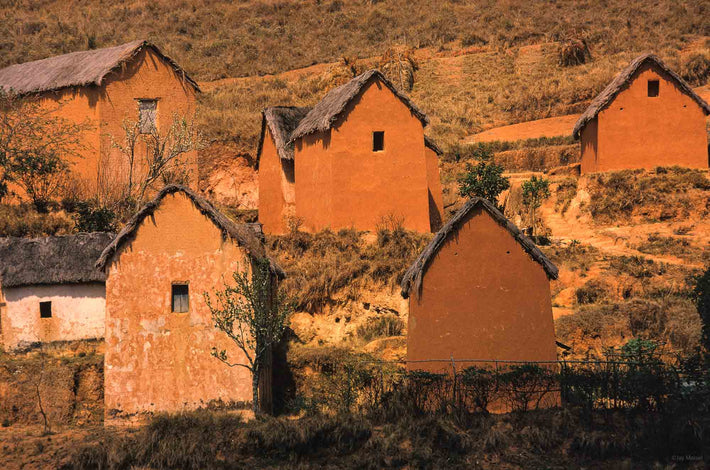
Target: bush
566 191
696 69
484 180
380 327
90 216
655 195
25 221
326 266
591 292
638 267
573 52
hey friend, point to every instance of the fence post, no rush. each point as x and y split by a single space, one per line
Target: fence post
453 367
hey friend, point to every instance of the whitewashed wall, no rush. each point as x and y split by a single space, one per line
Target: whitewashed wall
78 312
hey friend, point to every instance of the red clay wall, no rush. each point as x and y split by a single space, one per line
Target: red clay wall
157 360
99 167
342 183
146 77
482 297
276 192
436 197
78 106
638 131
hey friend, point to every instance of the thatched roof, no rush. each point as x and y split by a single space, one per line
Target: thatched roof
432 145
324 114
415 273
622 80
65 259
84 68
241 233
281 121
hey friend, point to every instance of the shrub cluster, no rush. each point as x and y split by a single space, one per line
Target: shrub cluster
661 194
326 267
426 420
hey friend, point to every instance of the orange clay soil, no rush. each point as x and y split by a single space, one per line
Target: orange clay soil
549 127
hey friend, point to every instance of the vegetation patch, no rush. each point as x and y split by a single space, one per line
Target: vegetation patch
381 327
662 194
661 245
326 267
24 221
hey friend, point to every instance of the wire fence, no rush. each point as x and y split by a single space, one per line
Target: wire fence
640 381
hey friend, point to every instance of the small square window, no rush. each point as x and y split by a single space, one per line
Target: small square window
653 87
147 114
378 141
181 298
45 309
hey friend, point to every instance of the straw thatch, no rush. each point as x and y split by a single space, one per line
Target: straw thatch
432 145
621 82
241 233
324 114
85 68
281 121
415 273
65 259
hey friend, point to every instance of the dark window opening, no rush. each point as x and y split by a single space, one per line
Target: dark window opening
653 87
378 141
147 115
45 309
181 298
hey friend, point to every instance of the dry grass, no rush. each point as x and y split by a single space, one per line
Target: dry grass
25 221
327 268
663 194
681 247
218 38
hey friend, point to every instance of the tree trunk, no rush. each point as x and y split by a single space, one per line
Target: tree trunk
255 390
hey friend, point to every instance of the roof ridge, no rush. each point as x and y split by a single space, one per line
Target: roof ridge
77 68
243 235
415 274
324 114
615 86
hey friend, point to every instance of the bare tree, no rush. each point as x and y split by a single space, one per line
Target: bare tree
398 64
35 147
254 315
154 155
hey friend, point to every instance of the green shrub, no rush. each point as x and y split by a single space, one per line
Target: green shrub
92 217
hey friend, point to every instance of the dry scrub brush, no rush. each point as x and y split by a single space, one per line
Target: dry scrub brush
326 267
661 194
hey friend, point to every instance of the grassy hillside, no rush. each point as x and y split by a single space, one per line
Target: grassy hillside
217 38
481 64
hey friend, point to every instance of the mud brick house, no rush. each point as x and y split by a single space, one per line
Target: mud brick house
646 117
50 289
480 290
159 331
101 89
356 157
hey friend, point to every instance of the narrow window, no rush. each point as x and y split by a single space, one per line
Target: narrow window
45 309
147 113
378 141
653 88
181 298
